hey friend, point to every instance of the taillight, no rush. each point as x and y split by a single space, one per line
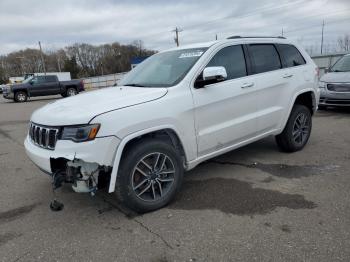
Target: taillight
317 71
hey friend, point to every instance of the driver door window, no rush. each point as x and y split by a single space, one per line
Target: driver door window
232 58
38 80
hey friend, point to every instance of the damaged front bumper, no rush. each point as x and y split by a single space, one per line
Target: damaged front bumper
81 164
99 150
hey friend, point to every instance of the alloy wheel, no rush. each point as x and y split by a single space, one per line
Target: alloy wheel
21 97
301 129
71 92
153 177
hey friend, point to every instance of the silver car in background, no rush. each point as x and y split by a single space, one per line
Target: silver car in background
335 85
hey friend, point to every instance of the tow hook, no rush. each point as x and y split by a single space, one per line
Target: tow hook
82 175
58 178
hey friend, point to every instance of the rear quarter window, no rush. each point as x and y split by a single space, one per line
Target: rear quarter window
291 55
50 78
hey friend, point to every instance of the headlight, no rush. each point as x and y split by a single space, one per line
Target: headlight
80 133
322 84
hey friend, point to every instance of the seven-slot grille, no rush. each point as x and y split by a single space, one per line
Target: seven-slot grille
339 87
43 136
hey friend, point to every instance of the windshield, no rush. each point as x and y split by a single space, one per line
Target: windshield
27 80
342 65
163 69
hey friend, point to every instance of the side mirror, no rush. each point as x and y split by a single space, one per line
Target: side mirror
215 72
211 75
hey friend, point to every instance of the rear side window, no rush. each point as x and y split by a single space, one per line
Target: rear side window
264 58
50 78
232 58
291 55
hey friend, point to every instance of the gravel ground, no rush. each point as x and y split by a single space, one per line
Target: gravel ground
252 204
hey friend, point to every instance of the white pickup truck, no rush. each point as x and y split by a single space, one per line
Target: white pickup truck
175 110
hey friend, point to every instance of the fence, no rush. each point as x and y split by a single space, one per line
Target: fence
326 61
102 81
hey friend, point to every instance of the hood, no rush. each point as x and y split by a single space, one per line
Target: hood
336 77
80 109
18 85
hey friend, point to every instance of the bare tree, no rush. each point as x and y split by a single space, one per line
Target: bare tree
84 59
344 43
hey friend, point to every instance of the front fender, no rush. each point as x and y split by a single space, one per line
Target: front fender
122 145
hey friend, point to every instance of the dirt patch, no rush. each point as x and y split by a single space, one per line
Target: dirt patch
268 180
16 213
286 228
235 197
4 238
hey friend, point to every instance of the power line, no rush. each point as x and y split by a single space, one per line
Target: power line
244 15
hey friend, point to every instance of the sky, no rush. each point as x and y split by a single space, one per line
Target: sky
60 23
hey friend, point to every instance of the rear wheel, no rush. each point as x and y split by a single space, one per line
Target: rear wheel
149 176
21 96
71 91
297 131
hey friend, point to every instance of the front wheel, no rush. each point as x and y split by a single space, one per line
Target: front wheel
297 131
21 96
149 176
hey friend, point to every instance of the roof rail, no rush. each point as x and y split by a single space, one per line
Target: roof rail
238 36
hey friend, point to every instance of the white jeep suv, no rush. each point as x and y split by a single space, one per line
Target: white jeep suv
175 110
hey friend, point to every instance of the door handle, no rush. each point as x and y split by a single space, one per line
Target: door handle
287 75
246 85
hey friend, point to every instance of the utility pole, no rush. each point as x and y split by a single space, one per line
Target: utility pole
216 36
58 63
20 58
42 58
177 31
282 31
322 37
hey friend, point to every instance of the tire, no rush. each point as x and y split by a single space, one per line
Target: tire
64 94
21 96
142 188
299 127
71 91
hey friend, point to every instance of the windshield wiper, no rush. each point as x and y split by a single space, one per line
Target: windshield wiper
137 85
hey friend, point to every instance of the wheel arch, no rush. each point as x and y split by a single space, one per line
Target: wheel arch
21 90
307 99
166 133
70 86
304 97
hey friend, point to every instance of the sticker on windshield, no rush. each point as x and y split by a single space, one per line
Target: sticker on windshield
191 54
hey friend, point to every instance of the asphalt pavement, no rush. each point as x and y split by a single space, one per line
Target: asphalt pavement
252 204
